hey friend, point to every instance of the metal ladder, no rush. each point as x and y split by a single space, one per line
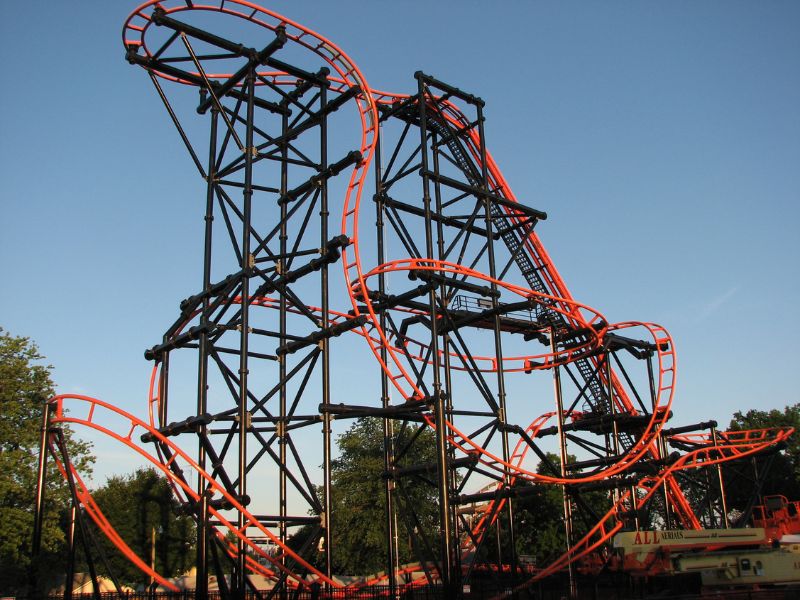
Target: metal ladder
597 399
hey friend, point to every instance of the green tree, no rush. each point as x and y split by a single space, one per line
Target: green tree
783 476
25 385
539 523
359 501
358 528
539 517
136 505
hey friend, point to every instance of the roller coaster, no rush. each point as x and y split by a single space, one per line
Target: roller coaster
444 283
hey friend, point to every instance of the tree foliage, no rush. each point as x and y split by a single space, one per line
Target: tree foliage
358 476
359 502
783 476
539 523
539 519
25 385
136 505
359 505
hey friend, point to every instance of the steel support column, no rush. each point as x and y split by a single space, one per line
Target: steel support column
388 424
247 264
201 581
446 544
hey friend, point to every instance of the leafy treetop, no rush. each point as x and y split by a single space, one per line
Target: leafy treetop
25 385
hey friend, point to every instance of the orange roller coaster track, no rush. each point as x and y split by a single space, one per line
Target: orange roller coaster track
457 302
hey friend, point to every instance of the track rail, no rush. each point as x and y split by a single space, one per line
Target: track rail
123 427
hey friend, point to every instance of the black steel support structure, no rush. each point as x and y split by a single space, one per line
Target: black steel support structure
201 585
258 333
463 217
267 253
392 561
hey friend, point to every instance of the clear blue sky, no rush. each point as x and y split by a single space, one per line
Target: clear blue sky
662 138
